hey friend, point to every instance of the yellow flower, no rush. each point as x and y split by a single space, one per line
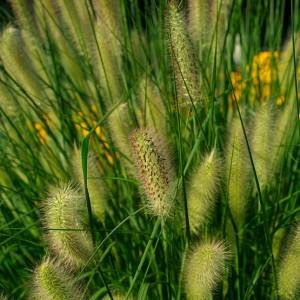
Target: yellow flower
261 72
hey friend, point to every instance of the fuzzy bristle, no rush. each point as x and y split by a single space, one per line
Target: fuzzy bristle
52 282
64 218
94 182
204 268
154 170
202 190
262 143
237 172
289 275
183 58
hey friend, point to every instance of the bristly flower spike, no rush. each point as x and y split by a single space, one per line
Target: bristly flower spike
262 143
94 182
183 59
65 221
204 268
202 190
52 282
154 169
238 173
289 275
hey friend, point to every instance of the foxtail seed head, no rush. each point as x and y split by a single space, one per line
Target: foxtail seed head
152 112
120 125
154 170
203 268
202 190
183 59
65 222
289 276
94 182
51 282
17 63
262 143
238 172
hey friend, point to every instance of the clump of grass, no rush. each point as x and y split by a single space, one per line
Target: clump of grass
154 168
52 282
65 224
202 190
94 182
204 268
289 276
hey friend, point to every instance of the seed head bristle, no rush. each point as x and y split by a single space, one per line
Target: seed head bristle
64 219
202 190
52 282
204 267
154 170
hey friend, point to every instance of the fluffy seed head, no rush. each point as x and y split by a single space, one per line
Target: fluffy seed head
108 35
202 190
120 126
51 282
203 268
154 170
94 182
17 63
238 172
64 218
183 60
289 275
282 135
262 143
207 24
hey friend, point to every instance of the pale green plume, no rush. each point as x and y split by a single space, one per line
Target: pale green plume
277 241
154 169
64 218
208 24
289 275
94 182
262 146
23 12
52 282
152 112
18 64
282 136
237 172
203 269
49 20
7 100
183 59
120 125
108 55
202 190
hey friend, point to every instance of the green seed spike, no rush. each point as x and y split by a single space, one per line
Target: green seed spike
203 269
183 59
202 191
238 173
52 282
289 275
18 64
262 143
154 170
64 218
94 183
